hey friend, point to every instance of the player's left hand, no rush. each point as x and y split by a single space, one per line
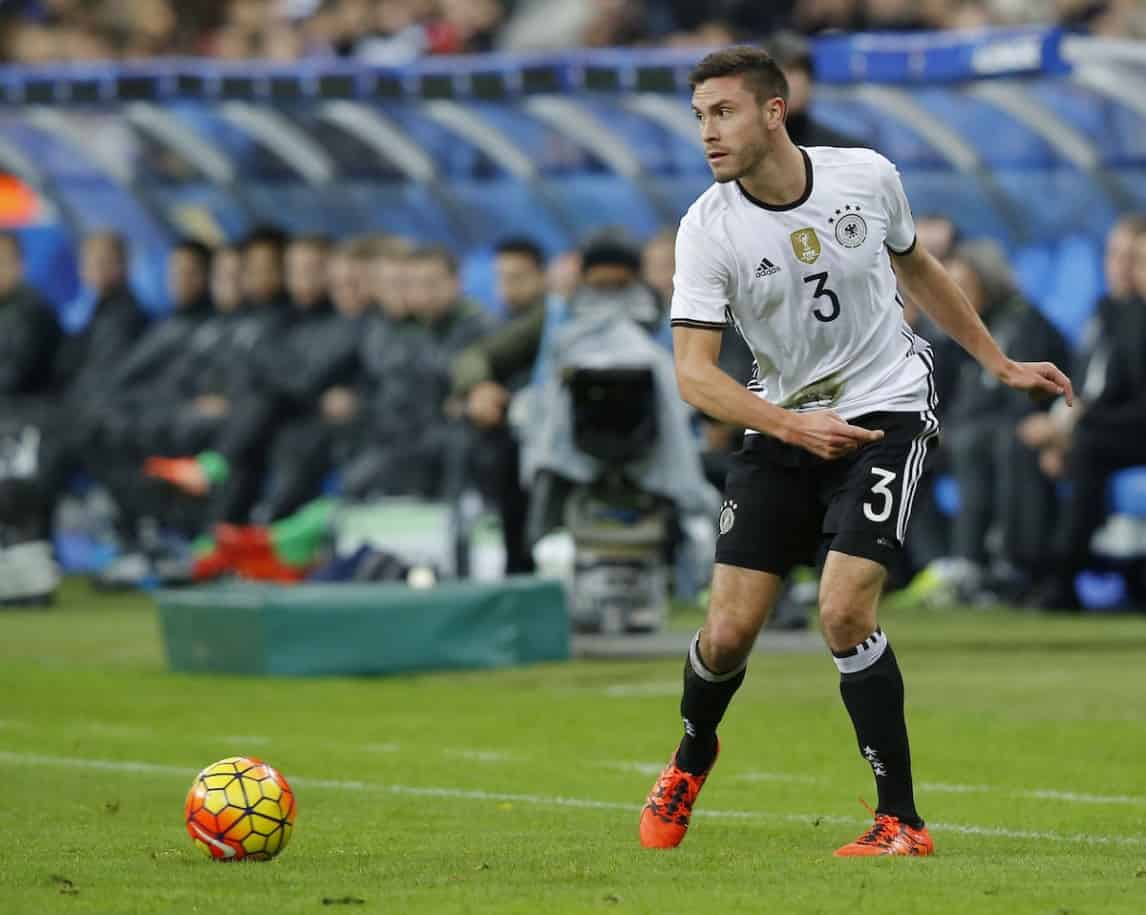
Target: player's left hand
1039 379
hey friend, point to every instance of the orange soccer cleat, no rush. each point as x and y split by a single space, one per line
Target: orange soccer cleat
668 808
889 836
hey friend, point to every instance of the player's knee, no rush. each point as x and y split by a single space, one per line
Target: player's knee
845 622
726 642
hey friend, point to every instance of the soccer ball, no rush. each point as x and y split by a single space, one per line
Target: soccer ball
240 808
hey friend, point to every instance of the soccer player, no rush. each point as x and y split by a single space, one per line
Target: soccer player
800 249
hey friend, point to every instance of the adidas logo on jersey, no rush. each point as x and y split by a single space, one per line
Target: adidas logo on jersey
766 268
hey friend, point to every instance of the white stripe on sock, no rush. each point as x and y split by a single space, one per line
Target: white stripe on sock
864 655
703 672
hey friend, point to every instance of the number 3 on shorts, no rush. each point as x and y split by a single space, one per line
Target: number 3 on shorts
886 478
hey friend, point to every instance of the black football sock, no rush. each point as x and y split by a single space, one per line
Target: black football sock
872 689
702 705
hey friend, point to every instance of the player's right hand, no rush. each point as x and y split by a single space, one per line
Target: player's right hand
826 435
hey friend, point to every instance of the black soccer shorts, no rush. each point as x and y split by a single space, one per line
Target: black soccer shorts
785 507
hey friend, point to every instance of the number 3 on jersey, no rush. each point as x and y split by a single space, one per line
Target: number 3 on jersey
883 511
821 291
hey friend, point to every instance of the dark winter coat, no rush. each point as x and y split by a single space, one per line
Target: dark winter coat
29 338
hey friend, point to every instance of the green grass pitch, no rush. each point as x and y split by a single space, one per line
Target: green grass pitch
519 791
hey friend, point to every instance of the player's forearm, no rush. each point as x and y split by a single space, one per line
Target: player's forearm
932 288
716 394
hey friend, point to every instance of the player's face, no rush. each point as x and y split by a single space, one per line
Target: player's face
735 128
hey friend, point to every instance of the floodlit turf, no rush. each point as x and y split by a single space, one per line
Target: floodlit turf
519 791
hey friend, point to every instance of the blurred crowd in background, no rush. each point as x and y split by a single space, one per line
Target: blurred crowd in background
287 362
397 31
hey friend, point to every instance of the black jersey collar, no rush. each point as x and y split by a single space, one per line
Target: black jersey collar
800 201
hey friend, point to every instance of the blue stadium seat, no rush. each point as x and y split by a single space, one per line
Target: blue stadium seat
591 203
204 205
1118 132
999 139
347 209
552 152
962 198
946 494
1055 203
1128 492
50 262
251 158
677 193
1101 591
478 280
1034 271
498 207
1076 287
454 156
872 127
660 150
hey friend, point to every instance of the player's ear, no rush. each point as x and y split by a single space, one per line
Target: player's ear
775 111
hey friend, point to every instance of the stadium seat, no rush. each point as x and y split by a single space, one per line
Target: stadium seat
591 203
1128 492
498 207
1034 271
1055 202
1076 287
946 492
963 198
478 280
1000 140
50 260
660 150
875 128
1094 115
455 157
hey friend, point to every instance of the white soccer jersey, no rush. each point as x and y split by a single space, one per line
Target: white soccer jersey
810 287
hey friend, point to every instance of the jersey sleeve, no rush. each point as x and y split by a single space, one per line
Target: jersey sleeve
900 224
701 281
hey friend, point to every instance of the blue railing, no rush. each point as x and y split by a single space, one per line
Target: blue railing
912 59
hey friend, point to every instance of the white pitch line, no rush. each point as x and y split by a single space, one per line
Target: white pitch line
130 766
642 690
649 768
483 756
380 747
1040 794
642 768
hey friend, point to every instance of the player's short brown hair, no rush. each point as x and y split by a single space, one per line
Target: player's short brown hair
762 75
